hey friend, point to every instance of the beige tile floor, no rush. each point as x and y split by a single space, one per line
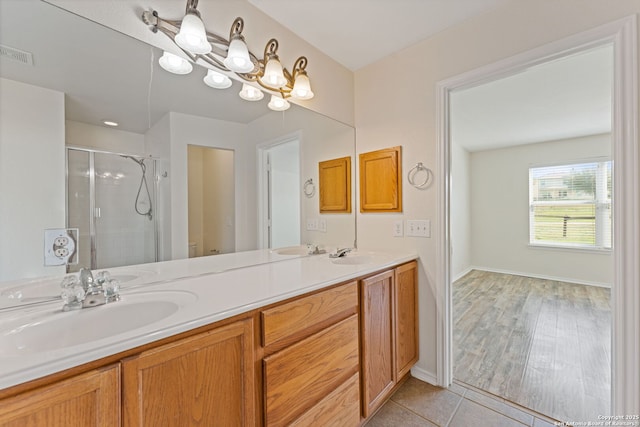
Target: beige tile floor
418 404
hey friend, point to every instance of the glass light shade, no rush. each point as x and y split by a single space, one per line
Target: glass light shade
251 93
302 87
192 36
175 64
238 59
217 80
278 104
273 74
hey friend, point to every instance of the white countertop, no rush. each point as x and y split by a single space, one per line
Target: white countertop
217 287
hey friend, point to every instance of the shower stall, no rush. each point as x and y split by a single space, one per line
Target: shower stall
111 199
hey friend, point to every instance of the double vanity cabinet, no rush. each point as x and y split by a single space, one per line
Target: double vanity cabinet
330 357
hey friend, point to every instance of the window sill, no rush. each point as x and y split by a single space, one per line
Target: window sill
583 249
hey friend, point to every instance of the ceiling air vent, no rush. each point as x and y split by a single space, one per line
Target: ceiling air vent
16 55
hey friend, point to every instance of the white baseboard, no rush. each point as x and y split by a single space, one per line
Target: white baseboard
464 273
425 376
541 276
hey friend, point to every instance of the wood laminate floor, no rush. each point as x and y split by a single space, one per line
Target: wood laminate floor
543 344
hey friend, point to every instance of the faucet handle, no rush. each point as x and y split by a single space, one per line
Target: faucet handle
102 277
86 279
72 294
111 290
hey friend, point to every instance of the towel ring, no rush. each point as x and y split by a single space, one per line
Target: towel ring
309 188
411 175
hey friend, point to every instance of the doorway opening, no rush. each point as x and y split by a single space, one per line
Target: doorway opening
211 195
279 176
626 274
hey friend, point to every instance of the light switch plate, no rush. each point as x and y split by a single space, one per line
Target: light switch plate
322 225
398 229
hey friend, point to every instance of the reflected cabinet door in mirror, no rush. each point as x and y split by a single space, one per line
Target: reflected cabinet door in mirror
335 185
381 180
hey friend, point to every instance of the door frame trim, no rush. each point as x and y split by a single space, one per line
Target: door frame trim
622 34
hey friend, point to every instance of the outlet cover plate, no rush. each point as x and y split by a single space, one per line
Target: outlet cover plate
60 246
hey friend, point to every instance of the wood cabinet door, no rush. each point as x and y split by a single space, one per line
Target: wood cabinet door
204 380
378 347
381 180
335 185
406 317
90 399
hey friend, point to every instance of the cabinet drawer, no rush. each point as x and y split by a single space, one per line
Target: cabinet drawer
300 376
307 315
340 408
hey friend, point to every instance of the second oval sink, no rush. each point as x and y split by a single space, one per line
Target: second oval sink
353 259
54 330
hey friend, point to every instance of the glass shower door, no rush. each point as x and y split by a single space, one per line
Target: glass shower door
111 200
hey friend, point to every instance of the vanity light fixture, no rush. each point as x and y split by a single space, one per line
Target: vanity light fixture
250 93
238 59
174 64
232 55
192 36
217 80
278 104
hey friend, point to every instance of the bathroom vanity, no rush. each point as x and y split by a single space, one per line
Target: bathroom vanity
306 341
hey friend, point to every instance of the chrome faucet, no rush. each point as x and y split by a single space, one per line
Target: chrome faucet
84 291
93 291
339 253
314 250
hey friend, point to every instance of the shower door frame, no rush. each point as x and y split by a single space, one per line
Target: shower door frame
92 200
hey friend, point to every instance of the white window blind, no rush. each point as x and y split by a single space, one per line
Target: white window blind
570 205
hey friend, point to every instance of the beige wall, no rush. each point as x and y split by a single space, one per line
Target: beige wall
403 111
101 138
500 219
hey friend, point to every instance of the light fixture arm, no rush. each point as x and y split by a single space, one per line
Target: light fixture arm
192 7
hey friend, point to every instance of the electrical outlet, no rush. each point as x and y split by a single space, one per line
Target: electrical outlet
322 225
398 229
61 241
312 224
60 247
61 252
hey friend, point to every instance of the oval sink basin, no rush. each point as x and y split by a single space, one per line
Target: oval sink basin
292 250
51 330
353 259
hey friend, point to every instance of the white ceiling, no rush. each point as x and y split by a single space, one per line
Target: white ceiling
359 32
565 98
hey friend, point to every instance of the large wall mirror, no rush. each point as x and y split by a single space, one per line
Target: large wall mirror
126 187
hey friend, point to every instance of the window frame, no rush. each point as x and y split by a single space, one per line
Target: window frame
598 203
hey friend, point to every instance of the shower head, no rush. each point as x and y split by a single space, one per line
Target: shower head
138 161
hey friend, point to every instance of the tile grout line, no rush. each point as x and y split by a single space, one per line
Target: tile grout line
509 403
453 414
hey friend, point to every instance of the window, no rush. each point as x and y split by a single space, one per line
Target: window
570 205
